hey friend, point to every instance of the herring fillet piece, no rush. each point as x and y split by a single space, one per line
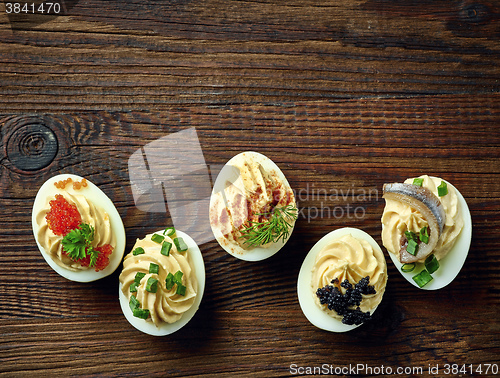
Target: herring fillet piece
429 205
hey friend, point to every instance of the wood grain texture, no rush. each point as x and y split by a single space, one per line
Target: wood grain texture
343 95
213 52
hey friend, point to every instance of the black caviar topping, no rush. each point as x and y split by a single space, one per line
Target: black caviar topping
343 304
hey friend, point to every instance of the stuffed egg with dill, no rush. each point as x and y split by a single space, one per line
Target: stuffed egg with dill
427 229
252 207
342 280
77 228
162 282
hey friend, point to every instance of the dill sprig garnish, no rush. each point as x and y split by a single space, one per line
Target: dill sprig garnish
275 226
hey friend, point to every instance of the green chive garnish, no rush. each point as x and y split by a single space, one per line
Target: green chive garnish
431 264
134 303
154 268
165 248
410 235
138 277
407 268
175 279
178 277
181 290
418 181
152 285
180 244
138 251
423 278
169 231
169 281
424 235
157 238
442 189
141 313
133 287
412 247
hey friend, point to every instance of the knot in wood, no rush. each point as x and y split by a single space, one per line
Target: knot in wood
32 146
475 13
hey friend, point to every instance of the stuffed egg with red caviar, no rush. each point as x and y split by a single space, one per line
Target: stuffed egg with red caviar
162 282
77 228
342 280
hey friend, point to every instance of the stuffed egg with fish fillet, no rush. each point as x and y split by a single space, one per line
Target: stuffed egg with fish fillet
427 230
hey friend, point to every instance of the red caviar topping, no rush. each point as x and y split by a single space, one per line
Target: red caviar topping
62 184
102 259
62 216
77 185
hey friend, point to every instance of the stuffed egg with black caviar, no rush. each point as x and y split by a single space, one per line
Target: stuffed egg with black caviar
77 228
342 280
162 282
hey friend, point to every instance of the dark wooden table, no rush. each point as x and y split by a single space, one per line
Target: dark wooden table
343 95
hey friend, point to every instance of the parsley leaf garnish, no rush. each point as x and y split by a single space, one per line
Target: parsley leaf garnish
78 243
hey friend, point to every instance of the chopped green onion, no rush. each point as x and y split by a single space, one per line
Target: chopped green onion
178 277
154 268
133 287
180 244
407 268
138 251
424 235
431 264
412 247
418 181
175 279
157 238
181 290
410 235
165 248
134 303
152 285
169 281
442 189
422 278
141 313
169 231
138 277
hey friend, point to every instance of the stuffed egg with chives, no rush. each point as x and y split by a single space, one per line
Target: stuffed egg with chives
162 282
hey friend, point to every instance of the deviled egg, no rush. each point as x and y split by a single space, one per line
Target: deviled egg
342 280
252 207
427 229
77 228
162 282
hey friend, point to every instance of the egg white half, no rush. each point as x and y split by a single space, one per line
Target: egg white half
312 312
230 173
98 198
149 327
452 263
